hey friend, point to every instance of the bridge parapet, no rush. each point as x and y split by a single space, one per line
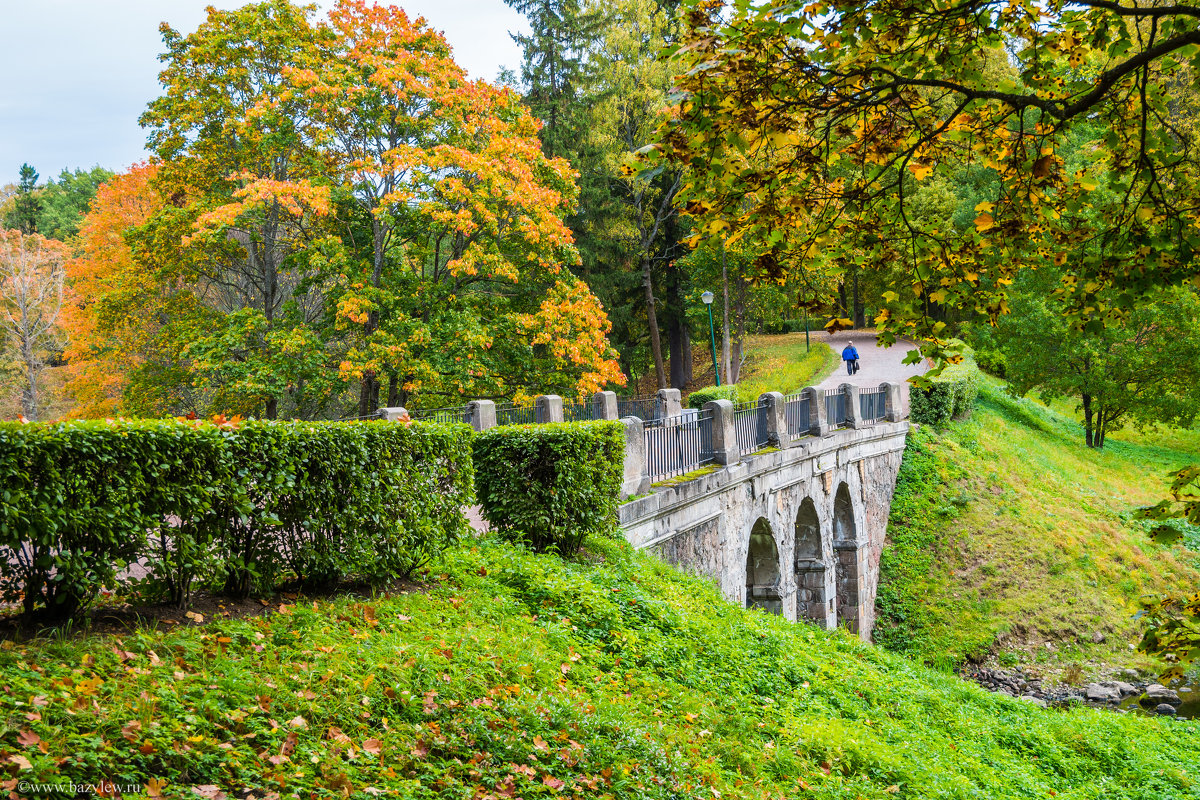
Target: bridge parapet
811 510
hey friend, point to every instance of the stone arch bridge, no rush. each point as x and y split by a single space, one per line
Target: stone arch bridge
783 500
789 513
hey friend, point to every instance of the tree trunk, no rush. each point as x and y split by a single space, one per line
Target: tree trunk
739 311
368 392
1087 420
29 396
725 354
652 324
860 311
679 344
843 301
393 390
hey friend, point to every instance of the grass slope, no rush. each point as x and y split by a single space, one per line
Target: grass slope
1007 533
782 363
516 675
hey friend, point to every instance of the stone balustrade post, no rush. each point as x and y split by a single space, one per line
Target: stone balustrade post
724 437
604 405
777 430
669 404
853 409
635 477
392 413
481 414
547 408
818 420
895 406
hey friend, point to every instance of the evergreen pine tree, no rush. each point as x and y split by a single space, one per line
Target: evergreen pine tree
552 68
27 206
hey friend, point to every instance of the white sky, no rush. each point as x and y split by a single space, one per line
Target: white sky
77 74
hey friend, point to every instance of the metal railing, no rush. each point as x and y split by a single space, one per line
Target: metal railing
872 404
678 445
579 412
835 409
644 408
750 426
449 414
796 412
508 414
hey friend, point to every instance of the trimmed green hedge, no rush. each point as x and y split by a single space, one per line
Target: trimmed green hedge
550 486
239 507
951 395
698 398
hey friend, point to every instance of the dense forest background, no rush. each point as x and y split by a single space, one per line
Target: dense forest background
335 218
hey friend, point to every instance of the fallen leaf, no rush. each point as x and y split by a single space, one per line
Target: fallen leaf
27 738
540 743
373 746
553 782
130 731
298 722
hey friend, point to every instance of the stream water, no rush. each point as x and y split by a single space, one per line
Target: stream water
1188 709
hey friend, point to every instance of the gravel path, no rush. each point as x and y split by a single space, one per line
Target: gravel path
876 364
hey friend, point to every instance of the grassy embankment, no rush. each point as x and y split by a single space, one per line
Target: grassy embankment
774 363
781 363
1007 535
611 676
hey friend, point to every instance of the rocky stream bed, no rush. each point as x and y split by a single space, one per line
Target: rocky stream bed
1132 695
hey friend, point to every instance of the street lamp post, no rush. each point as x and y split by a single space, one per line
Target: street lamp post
707 297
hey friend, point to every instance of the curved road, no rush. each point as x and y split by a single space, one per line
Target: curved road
876 364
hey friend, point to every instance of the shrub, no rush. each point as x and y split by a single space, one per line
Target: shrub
992 361
950 396
78 500
550 486
698 398
239 506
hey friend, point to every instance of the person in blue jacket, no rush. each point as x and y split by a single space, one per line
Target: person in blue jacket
850 356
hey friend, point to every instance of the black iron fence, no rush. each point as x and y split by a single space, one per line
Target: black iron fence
579 412
835 409
644 408
872 404
509 414
449 414
677 445
796 412
750 426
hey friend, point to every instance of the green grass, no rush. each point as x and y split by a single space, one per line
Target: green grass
510 674
1007 533
782 364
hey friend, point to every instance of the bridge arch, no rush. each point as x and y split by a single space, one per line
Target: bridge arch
814 601
763 577
849 558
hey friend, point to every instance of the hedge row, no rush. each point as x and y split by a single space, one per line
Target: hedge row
698 398
951 395
550 486
235 508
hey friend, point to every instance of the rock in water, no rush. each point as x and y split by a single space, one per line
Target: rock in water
1161 694
1166 709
